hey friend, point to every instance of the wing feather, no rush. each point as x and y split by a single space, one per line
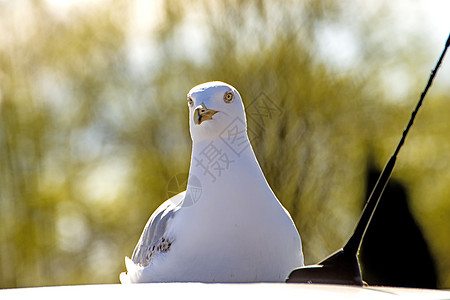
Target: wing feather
155 238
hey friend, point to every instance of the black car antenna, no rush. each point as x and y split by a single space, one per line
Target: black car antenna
342 267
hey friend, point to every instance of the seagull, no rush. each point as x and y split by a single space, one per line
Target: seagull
228 226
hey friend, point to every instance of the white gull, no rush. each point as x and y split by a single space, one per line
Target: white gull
228 226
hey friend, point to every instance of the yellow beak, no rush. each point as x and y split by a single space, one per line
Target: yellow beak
202 113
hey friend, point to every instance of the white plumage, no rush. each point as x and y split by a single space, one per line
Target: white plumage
228 226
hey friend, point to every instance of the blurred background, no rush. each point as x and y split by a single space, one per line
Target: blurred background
94 123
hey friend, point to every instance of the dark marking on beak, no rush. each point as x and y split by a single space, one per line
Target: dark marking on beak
202 113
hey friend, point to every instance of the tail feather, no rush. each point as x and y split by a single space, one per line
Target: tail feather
125 277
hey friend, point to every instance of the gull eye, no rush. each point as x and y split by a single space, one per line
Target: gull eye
228 97
190 101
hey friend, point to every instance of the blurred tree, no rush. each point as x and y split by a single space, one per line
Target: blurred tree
93 122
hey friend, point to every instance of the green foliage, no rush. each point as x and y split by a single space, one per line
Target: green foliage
93 125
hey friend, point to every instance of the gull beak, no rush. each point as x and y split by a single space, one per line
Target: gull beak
202 113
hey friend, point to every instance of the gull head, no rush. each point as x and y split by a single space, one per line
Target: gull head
213 107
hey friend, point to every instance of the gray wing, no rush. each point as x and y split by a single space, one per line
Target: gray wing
154 238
